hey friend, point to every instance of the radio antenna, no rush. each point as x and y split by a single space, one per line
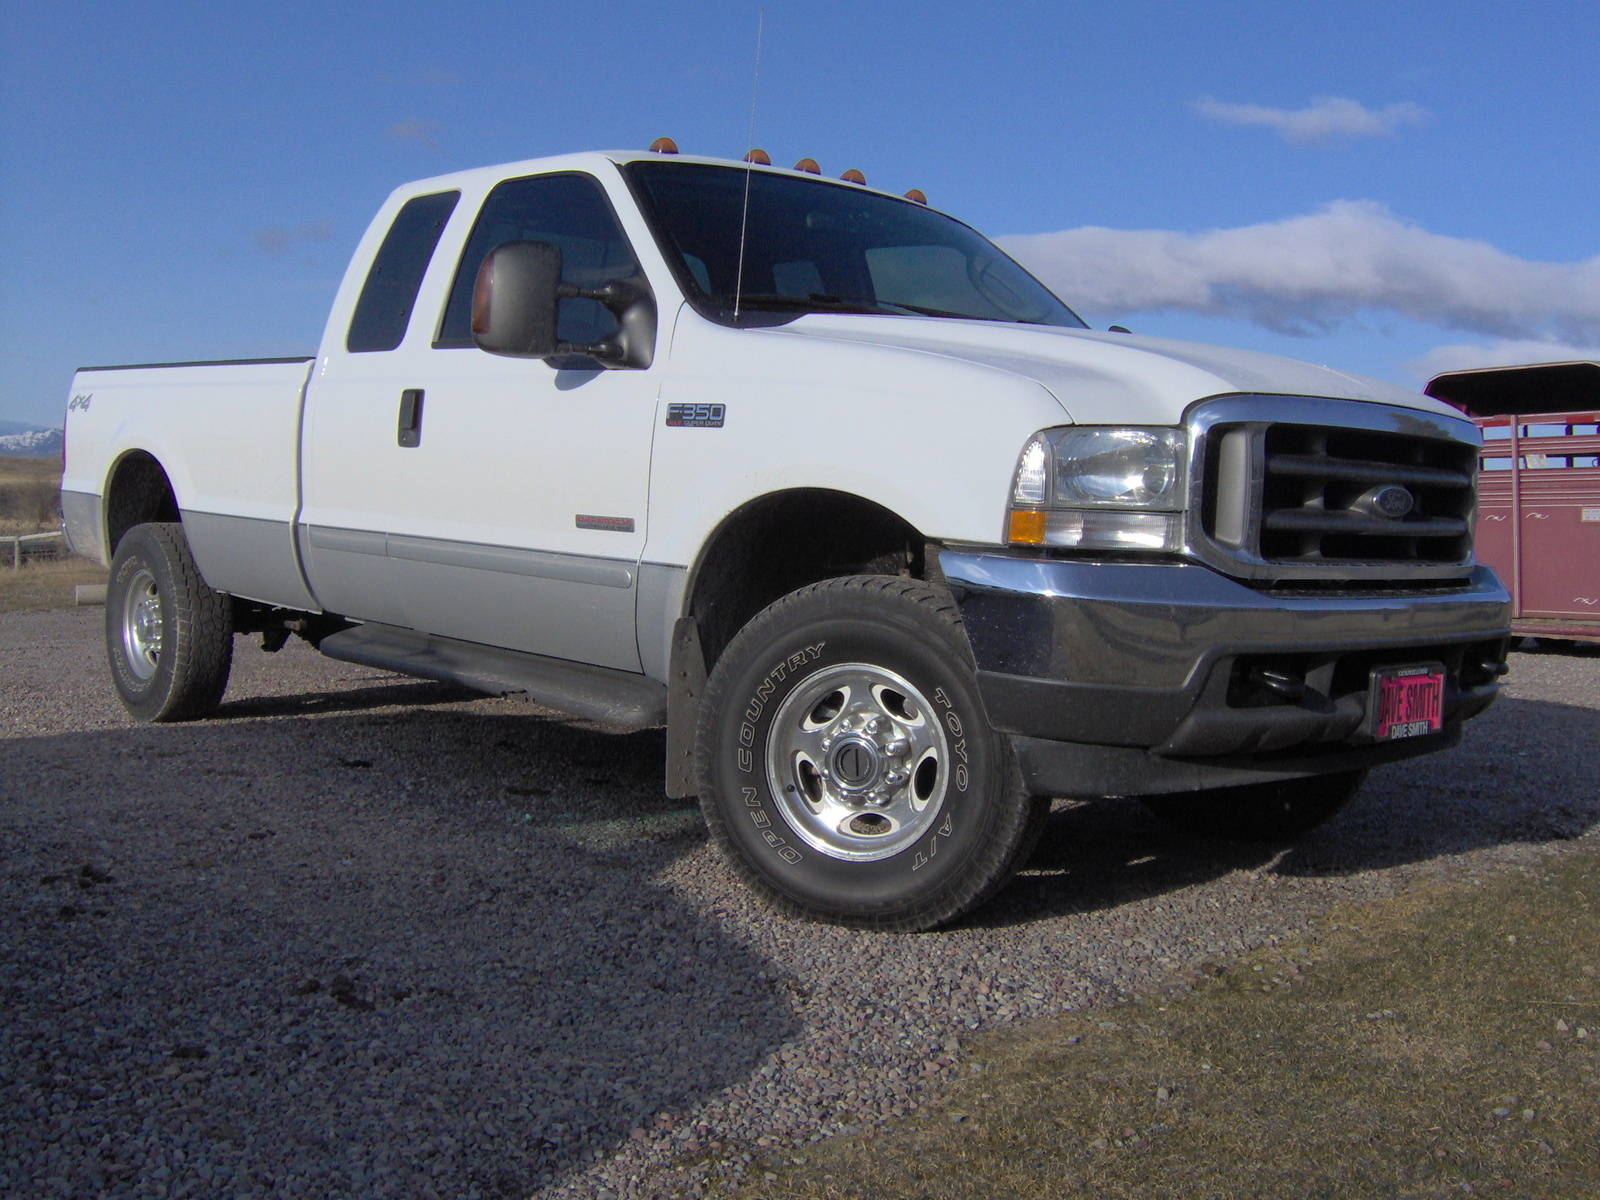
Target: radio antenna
749 166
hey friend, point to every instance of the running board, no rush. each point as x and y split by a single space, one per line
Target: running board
620 698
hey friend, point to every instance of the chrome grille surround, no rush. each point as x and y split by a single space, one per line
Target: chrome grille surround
1276 489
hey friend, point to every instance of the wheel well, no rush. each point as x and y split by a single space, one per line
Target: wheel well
784 541
139 492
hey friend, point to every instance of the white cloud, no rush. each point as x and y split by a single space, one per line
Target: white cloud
276 240
1466 356
424 133
1328 117
1311 273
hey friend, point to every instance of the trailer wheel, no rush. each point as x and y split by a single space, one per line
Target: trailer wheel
1259 812
845 764
169 637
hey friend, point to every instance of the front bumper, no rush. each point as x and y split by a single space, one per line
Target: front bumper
1138 678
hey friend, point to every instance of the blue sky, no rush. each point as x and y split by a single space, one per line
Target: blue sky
184 181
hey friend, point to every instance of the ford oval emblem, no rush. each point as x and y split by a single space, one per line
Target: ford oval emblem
1393 501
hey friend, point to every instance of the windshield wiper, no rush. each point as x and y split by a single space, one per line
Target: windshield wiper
815 302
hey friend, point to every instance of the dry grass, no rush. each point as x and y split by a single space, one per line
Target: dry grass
30 495
1446 1043
30 502
45 583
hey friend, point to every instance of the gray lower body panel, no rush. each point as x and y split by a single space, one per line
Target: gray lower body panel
570 606
621 698
661 590
80 514
248 557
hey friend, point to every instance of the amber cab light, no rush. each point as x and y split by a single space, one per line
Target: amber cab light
664 145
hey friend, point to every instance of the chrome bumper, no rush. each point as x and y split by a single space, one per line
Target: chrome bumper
1156 659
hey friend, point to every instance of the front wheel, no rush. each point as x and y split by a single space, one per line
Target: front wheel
845 763
169 637
1260 812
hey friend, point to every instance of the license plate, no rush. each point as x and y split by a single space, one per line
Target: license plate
1406 701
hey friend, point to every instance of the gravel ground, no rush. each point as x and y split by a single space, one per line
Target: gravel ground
364 936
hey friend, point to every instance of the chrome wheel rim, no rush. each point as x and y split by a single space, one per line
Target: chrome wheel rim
858 762
142 625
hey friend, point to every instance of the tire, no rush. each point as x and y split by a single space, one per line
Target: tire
1259 812
846 767
169 637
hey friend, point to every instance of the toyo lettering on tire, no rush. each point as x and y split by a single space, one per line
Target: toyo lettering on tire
169 637
846 766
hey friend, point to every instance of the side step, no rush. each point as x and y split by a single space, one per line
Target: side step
620 698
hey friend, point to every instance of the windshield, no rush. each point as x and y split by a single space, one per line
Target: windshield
814 246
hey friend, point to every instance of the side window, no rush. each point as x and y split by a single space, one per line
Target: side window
384 309
569 211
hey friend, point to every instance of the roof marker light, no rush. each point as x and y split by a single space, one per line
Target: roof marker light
758 156
809 166
853 176
663 145
917 195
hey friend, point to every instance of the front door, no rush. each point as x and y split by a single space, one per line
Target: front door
506 498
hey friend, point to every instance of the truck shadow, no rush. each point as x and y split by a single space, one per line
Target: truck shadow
1490 791
425 938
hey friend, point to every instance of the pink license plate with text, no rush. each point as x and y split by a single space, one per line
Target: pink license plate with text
1406 701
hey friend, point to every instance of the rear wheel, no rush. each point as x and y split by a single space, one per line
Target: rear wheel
169 637
1259 812
845 763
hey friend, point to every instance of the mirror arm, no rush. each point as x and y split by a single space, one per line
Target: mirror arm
616 295
606 352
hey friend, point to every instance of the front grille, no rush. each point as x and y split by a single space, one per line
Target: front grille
1357 492
1318 488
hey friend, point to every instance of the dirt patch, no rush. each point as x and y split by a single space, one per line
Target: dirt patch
1445 1042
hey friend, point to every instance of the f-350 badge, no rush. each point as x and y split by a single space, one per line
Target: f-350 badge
696 416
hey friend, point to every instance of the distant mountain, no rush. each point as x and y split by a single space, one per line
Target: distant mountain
26 441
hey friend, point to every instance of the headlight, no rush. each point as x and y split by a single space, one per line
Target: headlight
1100 487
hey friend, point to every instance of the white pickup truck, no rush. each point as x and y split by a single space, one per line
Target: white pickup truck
895 546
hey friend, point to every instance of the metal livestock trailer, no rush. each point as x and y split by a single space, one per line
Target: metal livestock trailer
1539 488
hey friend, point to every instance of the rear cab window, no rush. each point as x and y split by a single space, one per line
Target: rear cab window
390 293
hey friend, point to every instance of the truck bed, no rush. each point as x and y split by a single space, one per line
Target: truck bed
227 435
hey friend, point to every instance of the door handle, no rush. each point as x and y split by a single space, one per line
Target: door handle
409 433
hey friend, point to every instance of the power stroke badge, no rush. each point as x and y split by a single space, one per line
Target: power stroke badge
696 416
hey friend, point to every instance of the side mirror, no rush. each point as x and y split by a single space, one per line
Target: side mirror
514 300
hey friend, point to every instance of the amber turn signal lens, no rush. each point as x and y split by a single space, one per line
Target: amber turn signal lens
664 145
1026 526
